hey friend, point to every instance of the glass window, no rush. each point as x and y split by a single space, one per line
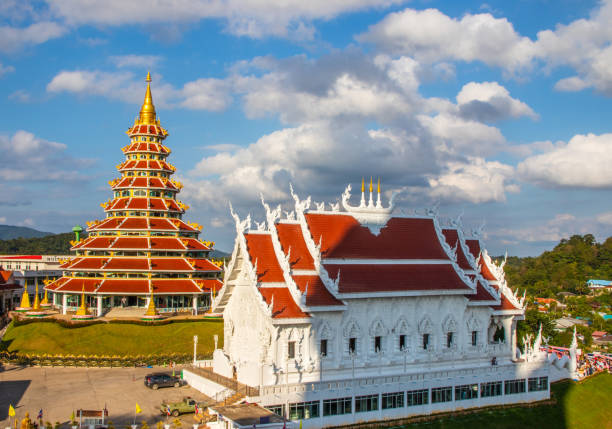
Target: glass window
402 342
323 347
352 345
366 403
512 387
449 340
377 344
538 384
467 391
425 341
291 349
474 338
334 407
417 397
492 388
392 400
276 409
303 410
441 394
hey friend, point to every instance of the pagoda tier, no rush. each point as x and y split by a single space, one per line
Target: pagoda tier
142 245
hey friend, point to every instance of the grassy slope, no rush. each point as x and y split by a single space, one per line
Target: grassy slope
113 339
579 406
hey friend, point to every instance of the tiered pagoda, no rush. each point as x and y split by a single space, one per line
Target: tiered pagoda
143 248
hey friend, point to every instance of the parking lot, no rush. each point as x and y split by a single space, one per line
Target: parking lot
59 391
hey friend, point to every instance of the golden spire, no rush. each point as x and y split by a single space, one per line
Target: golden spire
378 190
371 187
147 114
362 185
82 311
151 310
25 298
36 300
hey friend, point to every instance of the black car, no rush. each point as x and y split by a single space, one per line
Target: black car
157 380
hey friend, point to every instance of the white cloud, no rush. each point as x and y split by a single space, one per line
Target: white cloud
476 181
571 84
202 94
243 17
136 61
26 157
20 95
583 162
605 218
489 101
431 36
6 69
14 38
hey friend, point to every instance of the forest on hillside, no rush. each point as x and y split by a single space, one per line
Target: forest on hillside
565 268
57 244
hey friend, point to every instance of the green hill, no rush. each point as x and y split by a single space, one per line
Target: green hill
8 232
55 244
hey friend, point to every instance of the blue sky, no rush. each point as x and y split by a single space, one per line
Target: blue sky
499 111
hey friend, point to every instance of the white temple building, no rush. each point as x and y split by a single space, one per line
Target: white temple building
345 313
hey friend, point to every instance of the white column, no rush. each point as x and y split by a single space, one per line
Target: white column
195 305
508 334
64 303
99 302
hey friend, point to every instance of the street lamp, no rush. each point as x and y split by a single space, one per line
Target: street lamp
195 348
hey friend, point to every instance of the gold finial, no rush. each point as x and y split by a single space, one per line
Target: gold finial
378 190
362 185
147 114
371 187
82 311
36 300
151 310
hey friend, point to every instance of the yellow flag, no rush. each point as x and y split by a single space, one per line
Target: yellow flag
11 411
138 409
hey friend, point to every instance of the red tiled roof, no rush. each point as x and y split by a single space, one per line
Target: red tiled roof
261 252
124 286
402 238
137 203
135 264
317 292
57 283
474 246
209 284
161 224
172 205
284 305
154 182
505 304
5 276
134 223
118 204
194 244
140 182
166 243
452 238
172 286
131 243
157 204
98 243
86 264
204 265
76 285
481 294
109 223
390 278
170 264
484 270
290 237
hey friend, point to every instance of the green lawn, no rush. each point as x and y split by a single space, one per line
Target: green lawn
586 405
113 339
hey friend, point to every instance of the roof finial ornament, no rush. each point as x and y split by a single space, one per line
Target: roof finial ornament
362 203
147 114
378 202
371 202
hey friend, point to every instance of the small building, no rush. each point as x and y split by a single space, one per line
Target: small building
33 270
9 291
245 416
597 286
567 322
92 418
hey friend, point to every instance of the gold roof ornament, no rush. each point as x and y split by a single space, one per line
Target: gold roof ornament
82 311
151 310
147 115
25 298
371 187
362 185
36 300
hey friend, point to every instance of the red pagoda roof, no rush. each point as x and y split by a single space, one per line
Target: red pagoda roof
317 295
262 254
290 237
452 238
284 305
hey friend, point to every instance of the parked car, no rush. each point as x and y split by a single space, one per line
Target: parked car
187 405
160 379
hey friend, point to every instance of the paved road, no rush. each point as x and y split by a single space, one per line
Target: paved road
58 391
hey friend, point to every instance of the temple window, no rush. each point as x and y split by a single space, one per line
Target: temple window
377 344
449 339
352 345
291 350
474 338
402 342
425 341
323 348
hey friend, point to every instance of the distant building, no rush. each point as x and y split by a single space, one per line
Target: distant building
33 270
567 322
544 304
599 285
9 291
343 313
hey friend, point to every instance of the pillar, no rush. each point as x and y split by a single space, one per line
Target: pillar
99 305
195 305
508 334
64 303
513 342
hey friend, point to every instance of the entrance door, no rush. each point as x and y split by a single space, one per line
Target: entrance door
132 301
